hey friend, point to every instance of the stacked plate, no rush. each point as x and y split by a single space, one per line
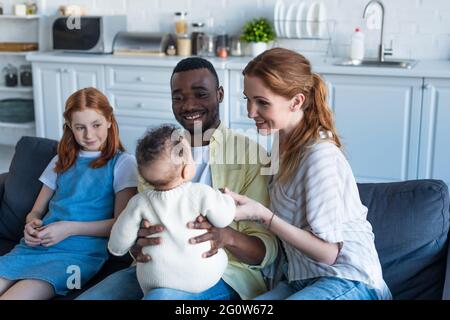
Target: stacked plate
300 19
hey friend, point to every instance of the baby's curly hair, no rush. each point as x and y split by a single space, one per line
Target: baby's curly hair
158 142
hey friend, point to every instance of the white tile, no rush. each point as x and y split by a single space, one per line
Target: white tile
406 20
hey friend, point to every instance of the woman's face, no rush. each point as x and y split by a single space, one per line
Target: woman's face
90 129
269 110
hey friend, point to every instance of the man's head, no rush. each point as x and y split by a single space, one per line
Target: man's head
196 94
164 157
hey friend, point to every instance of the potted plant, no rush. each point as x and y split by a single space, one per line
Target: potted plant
258 33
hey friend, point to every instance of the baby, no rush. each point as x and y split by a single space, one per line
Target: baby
165 161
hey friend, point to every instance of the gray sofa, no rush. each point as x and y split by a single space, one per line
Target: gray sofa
410 220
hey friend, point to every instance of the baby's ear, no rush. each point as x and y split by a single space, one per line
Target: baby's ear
184 171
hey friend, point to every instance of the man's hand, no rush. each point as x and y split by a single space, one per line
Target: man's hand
145 240
219 237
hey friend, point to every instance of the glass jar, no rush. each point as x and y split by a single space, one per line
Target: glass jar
11 78
222 45
26 79
31 7
207 47
184 45
171 50
196 36
181 23
236 46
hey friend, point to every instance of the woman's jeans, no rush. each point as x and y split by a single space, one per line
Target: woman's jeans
323 288
123 285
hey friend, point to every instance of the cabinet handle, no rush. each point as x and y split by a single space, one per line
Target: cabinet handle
140 105
427 86
140 79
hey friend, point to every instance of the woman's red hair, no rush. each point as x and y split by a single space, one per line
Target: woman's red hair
288 73
68 148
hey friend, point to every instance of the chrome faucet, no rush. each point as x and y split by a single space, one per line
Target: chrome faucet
382 51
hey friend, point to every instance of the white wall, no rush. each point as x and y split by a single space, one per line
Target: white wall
419 29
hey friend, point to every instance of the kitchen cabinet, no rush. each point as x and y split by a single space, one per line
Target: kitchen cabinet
53 84
378 121
142 99
393 127
435 138
377 118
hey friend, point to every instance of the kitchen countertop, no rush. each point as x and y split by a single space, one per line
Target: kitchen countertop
424 68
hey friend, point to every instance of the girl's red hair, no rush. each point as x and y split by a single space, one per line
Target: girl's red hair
68 148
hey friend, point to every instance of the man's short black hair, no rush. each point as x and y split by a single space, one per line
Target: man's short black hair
194 63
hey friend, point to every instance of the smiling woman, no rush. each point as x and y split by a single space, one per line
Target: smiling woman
315 207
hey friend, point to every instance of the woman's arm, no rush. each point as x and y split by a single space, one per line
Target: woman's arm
304 241
102 228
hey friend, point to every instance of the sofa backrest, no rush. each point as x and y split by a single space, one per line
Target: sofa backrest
31 157
410 221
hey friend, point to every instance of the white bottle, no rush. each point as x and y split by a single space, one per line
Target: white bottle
357 46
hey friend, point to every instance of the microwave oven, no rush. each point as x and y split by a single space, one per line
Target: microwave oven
92 34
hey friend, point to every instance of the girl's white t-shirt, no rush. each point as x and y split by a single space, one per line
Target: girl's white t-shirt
125 171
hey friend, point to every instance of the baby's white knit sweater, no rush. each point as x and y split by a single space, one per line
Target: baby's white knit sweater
175 262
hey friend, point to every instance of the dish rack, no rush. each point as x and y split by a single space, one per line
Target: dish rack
308 37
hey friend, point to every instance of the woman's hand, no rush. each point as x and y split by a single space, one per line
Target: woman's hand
31 231
219 237
249 209
54 233
145 240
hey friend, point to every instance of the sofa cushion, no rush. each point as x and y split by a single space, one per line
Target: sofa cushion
6 246
22 186
410 221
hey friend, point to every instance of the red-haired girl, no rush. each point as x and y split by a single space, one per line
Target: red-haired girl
85 187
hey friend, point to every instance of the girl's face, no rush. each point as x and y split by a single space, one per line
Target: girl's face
90 129
269 110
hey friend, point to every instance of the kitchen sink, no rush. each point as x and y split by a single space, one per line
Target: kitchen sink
403 64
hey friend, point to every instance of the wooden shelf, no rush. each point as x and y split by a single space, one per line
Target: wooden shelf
13 17
16 89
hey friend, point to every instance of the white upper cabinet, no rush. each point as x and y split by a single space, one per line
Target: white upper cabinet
378 121
53 84
435 138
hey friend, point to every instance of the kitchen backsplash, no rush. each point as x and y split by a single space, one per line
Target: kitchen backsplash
419 29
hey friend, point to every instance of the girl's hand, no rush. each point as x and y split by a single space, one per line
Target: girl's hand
219 237
249 209
54 233
31 231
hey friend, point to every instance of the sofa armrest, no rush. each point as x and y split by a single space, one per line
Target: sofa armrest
2 183
446 292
